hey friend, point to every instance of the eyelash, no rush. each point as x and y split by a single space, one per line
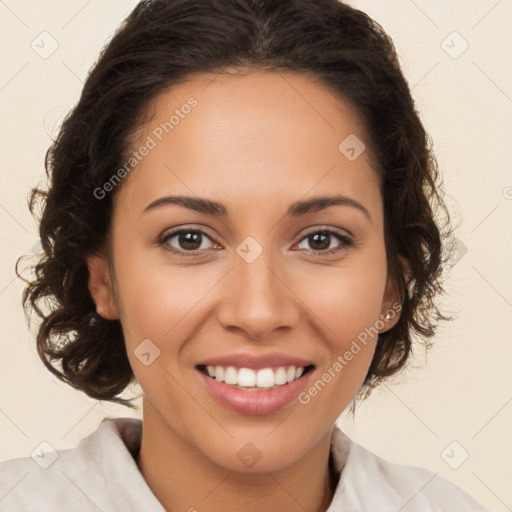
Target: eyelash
346 241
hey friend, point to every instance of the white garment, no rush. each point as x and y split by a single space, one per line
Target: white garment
101 474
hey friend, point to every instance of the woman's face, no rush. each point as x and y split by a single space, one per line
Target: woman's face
264 288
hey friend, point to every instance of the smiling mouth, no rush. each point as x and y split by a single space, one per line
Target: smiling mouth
248 379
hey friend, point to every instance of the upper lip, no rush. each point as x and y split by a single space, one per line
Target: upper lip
245 360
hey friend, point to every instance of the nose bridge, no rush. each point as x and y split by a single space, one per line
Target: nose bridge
257 277
259 300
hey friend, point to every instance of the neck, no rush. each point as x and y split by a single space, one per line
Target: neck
182 478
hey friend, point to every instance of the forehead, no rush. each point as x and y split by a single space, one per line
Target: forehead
251 140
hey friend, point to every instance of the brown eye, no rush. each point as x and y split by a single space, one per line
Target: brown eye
320 241
186 240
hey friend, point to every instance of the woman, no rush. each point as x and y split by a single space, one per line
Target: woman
241 218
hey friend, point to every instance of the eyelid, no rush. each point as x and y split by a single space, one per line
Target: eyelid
167 235
327 229
346 240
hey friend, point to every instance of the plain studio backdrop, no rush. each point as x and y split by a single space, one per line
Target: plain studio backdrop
452 411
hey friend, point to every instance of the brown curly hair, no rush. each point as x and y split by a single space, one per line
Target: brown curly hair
163 42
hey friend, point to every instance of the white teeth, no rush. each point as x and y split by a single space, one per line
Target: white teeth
246 377
231 376
249 378
290 374
280 376
265 378
219 373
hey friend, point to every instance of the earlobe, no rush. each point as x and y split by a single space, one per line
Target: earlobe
100 287
391 308
392 304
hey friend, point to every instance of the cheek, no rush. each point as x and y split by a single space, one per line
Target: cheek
347 305
346 299
156 299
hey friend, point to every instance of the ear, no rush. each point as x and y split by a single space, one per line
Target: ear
100 287
392 301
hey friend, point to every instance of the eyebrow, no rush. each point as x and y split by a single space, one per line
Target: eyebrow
296 209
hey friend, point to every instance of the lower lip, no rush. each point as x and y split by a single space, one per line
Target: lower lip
255 402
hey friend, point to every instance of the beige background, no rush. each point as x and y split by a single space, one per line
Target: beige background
464 391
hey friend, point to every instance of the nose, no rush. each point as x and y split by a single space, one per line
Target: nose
258 299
